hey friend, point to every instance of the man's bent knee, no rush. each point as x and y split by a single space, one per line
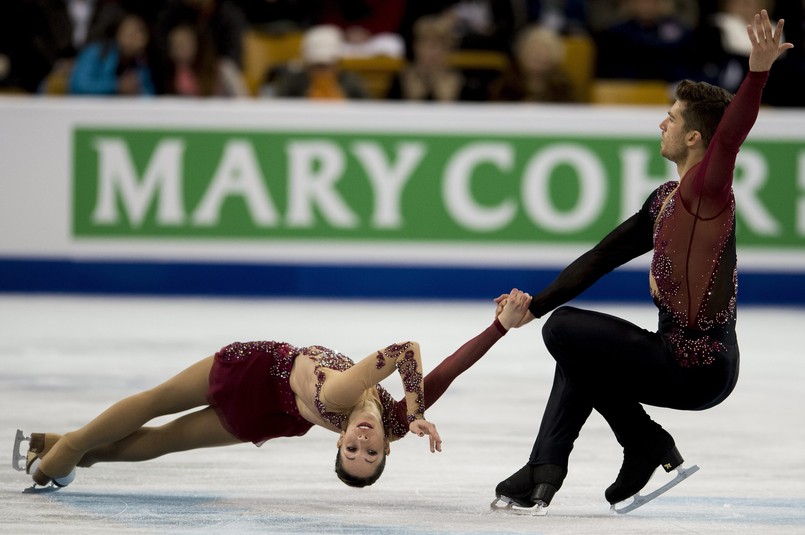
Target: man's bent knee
559 327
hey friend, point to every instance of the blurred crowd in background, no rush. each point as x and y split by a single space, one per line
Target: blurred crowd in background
564 51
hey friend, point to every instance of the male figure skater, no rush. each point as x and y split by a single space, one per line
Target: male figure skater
691 362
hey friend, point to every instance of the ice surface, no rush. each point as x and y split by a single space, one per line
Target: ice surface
64 359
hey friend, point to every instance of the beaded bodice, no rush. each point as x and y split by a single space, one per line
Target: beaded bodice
394 416
693 274
694 277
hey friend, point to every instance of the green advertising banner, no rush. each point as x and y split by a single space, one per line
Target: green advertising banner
146 183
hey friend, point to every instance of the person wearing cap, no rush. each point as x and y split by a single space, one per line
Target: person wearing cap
318 75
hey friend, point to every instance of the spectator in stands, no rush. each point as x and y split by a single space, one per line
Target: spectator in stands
487 24
318 76
652 43
370 27
115 66
48 34
415 11
196 70
725 52
537 74
477 24
429 77
222 19
723 33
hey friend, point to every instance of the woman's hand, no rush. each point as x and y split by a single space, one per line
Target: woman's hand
512 309
424 427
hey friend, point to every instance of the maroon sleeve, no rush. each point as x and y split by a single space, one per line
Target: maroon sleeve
437 381
713 178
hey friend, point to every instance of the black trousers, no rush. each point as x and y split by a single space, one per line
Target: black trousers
613 366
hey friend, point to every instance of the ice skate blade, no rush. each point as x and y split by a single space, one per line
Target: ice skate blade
18 460
508 506
639 500
45 480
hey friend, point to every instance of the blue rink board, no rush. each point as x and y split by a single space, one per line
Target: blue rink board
344 281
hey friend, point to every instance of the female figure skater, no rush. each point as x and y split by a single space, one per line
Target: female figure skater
256 391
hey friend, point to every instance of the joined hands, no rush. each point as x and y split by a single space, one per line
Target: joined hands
512 309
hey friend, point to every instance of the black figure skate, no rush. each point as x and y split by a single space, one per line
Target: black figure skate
529 491
637 469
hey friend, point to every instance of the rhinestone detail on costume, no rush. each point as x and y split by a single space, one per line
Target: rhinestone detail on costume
691 335
283 355
332 360
411 377
412 381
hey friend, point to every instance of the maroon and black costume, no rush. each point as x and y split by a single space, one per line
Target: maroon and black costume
691 363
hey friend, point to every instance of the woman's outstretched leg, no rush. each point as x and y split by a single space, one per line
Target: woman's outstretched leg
184 391
200 429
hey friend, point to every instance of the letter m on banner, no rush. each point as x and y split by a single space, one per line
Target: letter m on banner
121 188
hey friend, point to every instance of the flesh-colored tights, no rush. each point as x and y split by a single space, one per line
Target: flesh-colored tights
119 433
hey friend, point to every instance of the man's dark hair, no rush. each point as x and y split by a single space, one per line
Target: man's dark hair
704 107
354 481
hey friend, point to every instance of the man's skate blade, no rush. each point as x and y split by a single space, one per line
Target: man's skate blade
18 460
639 500
508 506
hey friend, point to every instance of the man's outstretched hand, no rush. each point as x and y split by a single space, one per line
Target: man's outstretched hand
766 46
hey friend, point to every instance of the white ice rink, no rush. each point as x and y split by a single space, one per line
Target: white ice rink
64 359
